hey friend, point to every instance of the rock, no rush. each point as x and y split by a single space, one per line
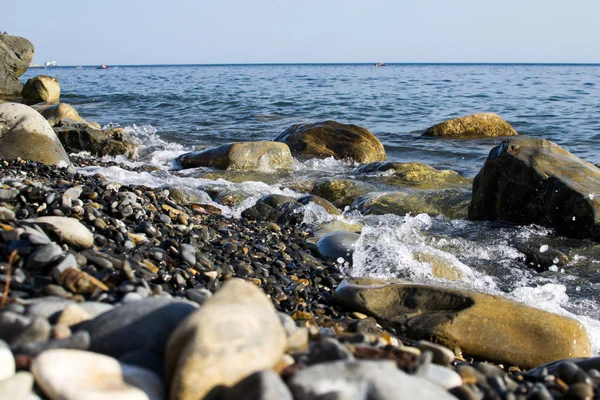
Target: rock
41 89
341 192
73 231
80 375
25 133
242 156
73 314
413 174
376 380
59 114
7 362
326 204
328 349
79 341
144 324
207 350
440 355
333 139
398 203
85 137
39 330
440 375
480 325
476 125
17 387
262 385
12 325
16 54
6 214
534 181
338 244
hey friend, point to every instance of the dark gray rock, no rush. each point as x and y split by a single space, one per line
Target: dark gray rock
338 244
78 341
38 330
12 325
144 324
328 349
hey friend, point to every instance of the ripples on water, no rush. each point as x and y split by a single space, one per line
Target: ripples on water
173 109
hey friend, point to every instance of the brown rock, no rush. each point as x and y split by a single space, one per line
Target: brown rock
470 126
41 89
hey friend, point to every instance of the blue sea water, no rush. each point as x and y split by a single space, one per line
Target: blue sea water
172 109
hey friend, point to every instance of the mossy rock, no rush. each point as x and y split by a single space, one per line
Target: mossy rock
341 192
414 174
326 204
472 126
398 203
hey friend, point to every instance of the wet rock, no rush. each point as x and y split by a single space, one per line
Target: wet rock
16 53
527 180
84 137
242 156
81 375
413 174
143 324
263 385
338 244
476 125
480 325
73 231
7 362
363 379
262 212
341 192
333 139
326 204
41 89
207 350
398 203
25 133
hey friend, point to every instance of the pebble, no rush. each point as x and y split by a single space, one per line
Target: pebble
262 385
74 232
80 375
6 214
39 330
17 387
441 355
7 361
73 314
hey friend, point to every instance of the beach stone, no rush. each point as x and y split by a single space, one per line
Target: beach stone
7 362
326 204
413 174
398 203
8 194
476 125
373 380
341 192
534 181
262 385
328 349
208 350
479 325
16 387
38 330
76 137
79 341
16 53
440 375
73 231
241 156
333 139
47 307
80 375
25 133
440 355
12 325
338 244
41 89
6 214
144 324
73 314
276 200
59 114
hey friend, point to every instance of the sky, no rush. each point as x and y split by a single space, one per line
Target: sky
120 32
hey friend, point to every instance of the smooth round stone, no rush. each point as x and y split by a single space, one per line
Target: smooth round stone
6 214
45 255
79 341
12 325
16 387
441 376
74 232
338 244
198 295
73 314
39 330
188 252
73 192
48 307
7 362
441 355
131 297
80 375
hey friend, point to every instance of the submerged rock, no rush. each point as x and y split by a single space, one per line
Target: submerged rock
208 350
470 126
413 174
534 181
398 203
480 325
25 133
242 156
341 192
41 89
333 139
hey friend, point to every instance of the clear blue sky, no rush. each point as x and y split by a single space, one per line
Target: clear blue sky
76 32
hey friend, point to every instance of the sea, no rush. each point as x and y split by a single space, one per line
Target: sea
174 109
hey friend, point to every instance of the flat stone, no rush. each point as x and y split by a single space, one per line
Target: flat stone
7 362
144 324
74 232
16 387
45 255
440 355
480 325
80 375
262 385
373 380
209 350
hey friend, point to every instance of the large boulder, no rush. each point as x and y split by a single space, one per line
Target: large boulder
41 89
479 325
25 133
476 125
16 54
235 333
333 139
242 156
527 180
